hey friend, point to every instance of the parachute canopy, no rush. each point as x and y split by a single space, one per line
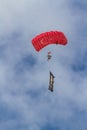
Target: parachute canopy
47 38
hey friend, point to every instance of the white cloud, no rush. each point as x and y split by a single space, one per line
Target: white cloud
23 86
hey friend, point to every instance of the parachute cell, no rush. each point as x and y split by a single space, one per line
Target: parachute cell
46 38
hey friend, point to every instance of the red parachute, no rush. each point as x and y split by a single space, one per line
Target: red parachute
47 38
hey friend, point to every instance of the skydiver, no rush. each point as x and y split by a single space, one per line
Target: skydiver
49 56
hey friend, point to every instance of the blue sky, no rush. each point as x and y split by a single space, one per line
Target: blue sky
25 102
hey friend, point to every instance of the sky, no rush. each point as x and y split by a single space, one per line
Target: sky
25 101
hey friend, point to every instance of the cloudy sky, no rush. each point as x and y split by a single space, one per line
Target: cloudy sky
25 101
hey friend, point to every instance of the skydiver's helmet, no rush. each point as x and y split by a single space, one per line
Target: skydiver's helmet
49 56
